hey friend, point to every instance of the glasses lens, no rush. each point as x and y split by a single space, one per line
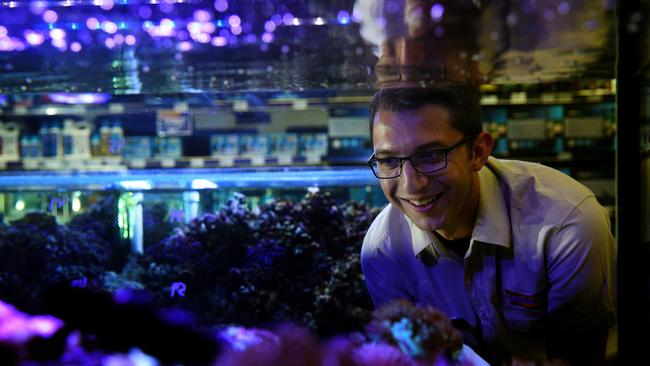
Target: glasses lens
386 168
429 161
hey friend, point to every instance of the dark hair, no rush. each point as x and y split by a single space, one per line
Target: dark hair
461 100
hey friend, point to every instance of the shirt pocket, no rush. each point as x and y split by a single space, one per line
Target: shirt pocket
523 320
524 313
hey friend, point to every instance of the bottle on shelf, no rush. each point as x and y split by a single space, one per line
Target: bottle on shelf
82 139
76 140
68 139
25 146
9 141
56 138
96 145
36 147
44 134
105 137
116 140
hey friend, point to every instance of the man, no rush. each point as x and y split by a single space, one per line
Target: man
520 254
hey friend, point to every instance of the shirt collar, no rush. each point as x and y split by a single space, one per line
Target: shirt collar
492 224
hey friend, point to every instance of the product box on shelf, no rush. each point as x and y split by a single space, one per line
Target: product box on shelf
138 147
253 148
283 146
225 148
312 146
168 147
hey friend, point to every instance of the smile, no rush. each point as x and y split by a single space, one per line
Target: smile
424 204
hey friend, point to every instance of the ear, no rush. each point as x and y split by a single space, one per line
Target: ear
481 150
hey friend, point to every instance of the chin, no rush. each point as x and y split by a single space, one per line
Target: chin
426 223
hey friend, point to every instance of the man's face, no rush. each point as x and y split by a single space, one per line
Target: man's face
436 201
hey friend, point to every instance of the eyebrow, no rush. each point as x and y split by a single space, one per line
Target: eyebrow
428 145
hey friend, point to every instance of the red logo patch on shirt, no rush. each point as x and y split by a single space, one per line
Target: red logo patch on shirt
523 300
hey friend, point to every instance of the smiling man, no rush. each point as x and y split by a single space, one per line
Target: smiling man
519 255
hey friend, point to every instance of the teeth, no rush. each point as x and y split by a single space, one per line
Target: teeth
422 203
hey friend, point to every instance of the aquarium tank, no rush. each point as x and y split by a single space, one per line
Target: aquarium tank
185 182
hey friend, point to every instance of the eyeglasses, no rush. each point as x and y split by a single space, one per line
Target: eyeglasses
425 162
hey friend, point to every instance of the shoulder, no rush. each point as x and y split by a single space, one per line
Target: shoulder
383 231
540 191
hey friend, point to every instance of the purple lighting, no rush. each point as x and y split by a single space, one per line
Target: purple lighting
564 8
50 16
33 38
44 325
3 31
144 12
269 26
119 39
106 4
75 47
208 27
110 43
57 33
194 27
267 37
93 24
202 16
236 30
356 15
276 18
130 40
251 38
109 27
437 11
343 17
202 38
234 20
61 44
219 41
221 5
37 7
287 19
184 46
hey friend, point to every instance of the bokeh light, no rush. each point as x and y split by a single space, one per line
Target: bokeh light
92 23
109 27
234 20
50 16
221 5
437 11
269 26
287 19
75 46
267 37
343 17
33 38
219 41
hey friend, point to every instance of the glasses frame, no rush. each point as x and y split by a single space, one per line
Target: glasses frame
445 151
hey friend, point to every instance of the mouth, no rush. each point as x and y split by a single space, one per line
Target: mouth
423 205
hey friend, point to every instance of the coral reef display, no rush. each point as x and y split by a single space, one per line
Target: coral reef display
282 261
91 326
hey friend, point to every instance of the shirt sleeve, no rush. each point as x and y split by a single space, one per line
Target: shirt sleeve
381 276
581 271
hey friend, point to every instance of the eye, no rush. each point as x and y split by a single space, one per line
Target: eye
388 163
429 155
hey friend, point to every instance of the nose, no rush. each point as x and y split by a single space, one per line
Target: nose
410 180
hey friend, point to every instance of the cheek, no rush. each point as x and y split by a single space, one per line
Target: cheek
389 188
